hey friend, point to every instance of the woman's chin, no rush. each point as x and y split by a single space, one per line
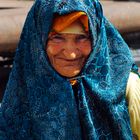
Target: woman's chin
69 73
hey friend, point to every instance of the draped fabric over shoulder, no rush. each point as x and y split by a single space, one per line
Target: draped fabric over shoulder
39 104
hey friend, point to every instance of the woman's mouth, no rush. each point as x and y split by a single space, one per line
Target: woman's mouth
68 62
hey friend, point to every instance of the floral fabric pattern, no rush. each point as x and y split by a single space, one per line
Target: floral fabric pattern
39 104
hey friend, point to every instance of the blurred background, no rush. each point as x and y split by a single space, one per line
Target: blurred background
125 15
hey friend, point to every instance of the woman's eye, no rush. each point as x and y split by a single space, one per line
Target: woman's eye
82 38
57 39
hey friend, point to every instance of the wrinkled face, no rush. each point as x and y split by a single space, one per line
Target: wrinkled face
68 52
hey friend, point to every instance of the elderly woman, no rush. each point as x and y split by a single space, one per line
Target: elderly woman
73 78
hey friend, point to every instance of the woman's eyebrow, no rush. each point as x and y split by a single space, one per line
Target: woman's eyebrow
59 34
54 35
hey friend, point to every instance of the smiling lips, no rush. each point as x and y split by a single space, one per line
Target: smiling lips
68 62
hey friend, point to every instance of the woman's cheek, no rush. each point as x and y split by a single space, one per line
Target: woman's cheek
86 49
54 49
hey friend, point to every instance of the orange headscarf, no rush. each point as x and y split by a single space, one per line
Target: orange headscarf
63 21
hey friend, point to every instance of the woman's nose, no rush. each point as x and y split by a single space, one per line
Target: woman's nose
71 50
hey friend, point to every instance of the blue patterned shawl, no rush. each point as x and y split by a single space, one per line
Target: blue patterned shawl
39 104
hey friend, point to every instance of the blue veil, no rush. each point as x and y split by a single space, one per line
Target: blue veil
39 104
